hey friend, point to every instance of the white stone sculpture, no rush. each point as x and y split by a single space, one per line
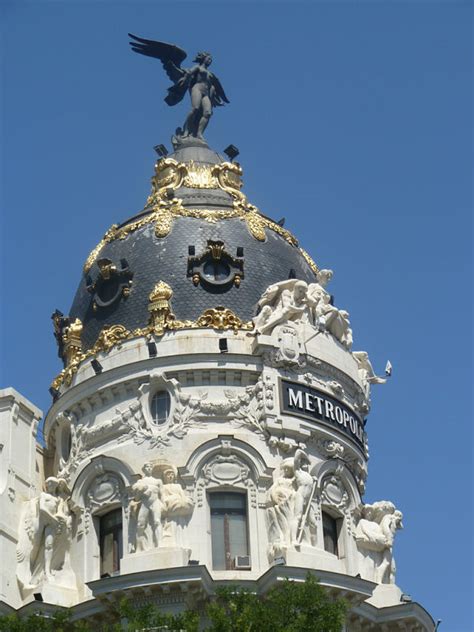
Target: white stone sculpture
366 371
177 508
283 302
290 516
294 301
148 507
375 534
316 291
161 509
335 321
44 536
304 512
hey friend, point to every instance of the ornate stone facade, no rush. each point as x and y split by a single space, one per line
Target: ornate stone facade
173 450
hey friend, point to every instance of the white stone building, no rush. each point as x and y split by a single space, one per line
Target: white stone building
208 426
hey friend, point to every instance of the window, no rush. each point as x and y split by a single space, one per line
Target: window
110 542
228 528
331 533
160 407
216 270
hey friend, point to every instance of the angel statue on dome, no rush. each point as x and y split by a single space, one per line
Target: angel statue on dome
203 86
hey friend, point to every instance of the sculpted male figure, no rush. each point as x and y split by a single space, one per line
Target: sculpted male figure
375 534
45 522
283 302
366 371
335 320
147 492
316 292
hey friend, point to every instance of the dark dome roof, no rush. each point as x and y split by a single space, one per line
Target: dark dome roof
120 275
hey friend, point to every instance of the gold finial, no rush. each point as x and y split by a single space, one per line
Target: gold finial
160 307
72 341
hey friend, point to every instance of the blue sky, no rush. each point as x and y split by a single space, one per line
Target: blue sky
354 122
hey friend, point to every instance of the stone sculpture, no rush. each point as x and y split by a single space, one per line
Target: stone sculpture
335 321
148 506
177 508
45 536
204 87
291 518
294 301
375 534
161 508
317 290
366 371
283 302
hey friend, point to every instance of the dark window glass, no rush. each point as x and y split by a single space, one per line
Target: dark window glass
330 532
111 545
216 270
160 407
108 290
228 528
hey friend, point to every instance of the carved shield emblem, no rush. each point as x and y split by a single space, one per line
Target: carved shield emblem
289 343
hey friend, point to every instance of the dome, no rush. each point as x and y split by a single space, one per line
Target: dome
198 234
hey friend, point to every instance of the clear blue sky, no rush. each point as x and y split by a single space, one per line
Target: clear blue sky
354 122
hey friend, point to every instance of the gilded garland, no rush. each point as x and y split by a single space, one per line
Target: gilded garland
161 320
162 207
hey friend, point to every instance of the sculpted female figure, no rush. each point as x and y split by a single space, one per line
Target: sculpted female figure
204 87
282 521
177 508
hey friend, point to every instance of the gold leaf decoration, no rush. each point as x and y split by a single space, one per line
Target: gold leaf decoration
222 318
110 235
309 261
255 225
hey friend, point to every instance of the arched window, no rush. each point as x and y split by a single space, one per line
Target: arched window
331 528
110 542
160 407
229 530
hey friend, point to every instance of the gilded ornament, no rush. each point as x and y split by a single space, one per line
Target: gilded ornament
163 222
228 176
160 308
106 268
222 318
110 235
161 320
168 174
71 338
200 176
254 222
110 336
309 261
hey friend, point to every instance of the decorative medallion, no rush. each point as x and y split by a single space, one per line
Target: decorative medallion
215 267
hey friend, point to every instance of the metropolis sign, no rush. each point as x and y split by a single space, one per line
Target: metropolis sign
304 401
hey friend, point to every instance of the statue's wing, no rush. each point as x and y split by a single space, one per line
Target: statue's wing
219 96
171 56
28 528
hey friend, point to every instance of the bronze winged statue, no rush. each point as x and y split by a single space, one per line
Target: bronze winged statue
204 87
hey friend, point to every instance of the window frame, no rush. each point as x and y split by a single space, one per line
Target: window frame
156 392
338 524
116 529
228 557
